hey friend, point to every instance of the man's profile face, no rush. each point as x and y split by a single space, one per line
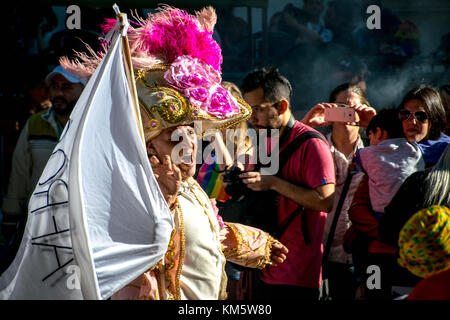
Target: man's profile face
64 94
264 114
180 143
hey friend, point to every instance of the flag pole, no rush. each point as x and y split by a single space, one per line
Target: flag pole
122 18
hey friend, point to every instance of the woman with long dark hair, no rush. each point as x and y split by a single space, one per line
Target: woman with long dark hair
424 121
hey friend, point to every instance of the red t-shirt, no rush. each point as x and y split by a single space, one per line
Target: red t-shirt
312 166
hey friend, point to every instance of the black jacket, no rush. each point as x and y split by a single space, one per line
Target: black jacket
407 201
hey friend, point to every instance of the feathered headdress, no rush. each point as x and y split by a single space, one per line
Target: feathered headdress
177 67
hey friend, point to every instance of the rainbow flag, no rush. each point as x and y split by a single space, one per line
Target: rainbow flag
209 179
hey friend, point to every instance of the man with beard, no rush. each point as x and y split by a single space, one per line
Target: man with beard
306 180
33 149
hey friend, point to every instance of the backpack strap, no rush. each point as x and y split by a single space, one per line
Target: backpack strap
284 157
326 252
295 145
282 140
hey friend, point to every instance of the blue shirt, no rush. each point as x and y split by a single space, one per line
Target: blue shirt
433 149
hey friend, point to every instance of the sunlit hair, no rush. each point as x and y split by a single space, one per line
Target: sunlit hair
437 183
432 104
387 120
275 86
242 140
352 88
233 88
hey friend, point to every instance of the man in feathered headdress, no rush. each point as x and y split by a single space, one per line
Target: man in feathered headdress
178 80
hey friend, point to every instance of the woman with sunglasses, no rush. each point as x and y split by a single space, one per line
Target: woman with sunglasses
423 121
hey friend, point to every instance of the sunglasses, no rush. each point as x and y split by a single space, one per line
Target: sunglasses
420 116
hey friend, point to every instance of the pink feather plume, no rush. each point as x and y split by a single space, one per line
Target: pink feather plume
161 38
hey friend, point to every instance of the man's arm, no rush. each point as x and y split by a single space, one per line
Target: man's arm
320 198
251 247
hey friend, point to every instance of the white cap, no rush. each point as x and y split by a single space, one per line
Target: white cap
66 74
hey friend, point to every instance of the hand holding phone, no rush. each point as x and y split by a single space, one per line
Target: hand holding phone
341 113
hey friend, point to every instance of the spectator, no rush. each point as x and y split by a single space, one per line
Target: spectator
377 241
306 180
35 145
423 121
344 142
362 240
385 164
424 243
389 159
420 190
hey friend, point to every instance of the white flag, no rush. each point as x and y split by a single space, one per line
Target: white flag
97 218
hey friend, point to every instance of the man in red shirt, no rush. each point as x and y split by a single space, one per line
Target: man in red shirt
307 179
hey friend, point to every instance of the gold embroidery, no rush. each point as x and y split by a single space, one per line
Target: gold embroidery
232 252
140 74
169 265
171 105
267 252
158 265
182 247
224 280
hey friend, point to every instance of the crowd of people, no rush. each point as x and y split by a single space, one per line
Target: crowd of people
348 195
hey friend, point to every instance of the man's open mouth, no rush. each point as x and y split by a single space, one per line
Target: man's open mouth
187 158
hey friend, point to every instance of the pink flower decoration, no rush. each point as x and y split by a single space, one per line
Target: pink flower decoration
222 104
198 97
200 83
187 72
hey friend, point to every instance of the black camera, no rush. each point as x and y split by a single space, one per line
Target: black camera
235 186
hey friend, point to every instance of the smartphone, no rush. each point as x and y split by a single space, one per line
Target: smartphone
340 114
